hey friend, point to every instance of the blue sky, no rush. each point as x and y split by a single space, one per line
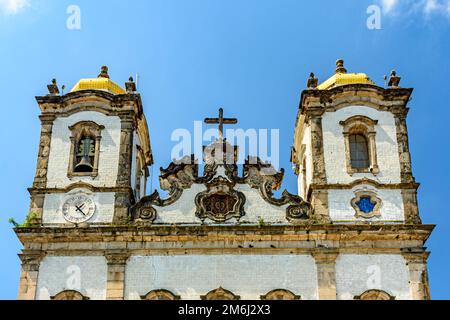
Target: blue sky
252 57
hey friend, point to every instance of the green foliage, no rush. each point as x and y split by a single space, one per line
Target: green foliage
13 222
29 220
261 222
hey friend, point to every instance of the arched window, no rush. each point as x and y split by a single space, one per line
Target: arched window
359 151
220 294
360 145
374 295
160 294
69 295
280 294
84 149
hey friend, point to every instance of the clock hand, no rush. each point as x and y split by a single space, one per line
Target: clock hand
79 209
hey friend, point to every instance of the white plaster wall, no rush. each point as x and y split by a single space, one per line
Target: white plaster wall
356 274
183 210
84 274
256 207
249 276
386 145
341 210
309 164
143 184
53 202
60 150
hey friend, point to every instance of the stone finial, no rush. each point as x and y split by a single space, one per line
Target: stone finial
312 81
53 88
340 66
394 80
104 72
130 86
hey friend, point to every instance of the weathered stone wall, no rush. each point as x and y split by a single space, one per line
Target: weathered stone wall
60 150
248 276
357 273
84 274
134 161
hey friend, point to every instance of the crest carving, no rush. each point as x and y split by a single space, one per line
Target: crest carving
220 202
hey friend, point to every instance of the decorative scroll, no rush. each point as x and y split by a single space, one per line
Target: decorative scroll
220 202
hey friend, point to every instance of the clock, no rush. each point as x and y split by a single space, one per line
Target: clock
78 208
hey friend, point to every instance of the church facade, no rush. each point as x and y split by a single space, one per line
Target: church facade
352 231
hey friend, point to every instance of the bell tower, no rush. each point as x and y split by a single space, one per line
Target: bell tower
351 150
93 154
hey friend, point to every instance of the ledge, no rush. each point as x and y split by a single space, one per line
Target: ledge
176 233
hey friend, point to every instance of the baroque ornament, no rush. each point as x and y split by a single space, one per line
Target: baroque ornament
220 202
366 204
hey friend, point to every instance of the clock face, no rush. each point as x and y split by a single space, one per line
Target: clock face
78 208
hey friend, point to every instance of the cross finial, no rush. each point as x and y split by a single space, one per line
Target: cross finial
221 121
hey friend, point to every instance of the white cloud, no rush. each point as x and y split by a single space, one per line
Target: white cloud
388 5
407 7
430 6
13 6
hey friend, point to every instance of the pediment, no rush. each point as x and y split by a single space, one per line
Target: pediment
221 197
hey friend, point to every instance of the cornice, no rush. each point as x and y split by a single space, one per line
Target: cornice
168 233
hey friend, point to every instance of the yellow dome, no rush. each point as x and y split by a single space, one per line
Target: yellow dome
341 77
101 83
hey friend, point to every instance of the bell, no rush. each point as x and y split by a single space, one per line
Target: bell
84 165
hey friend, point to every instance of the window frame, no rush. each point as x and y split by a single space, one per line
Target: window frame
78 131
160 293
364 126
376 212
374 293
359 141
286 294
220 294
64 295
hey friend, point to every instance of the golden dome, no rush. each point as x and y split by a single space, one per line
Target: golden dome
341 77
101 83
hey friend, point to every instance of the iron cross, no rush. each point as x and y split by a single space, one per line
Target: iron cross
221 121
